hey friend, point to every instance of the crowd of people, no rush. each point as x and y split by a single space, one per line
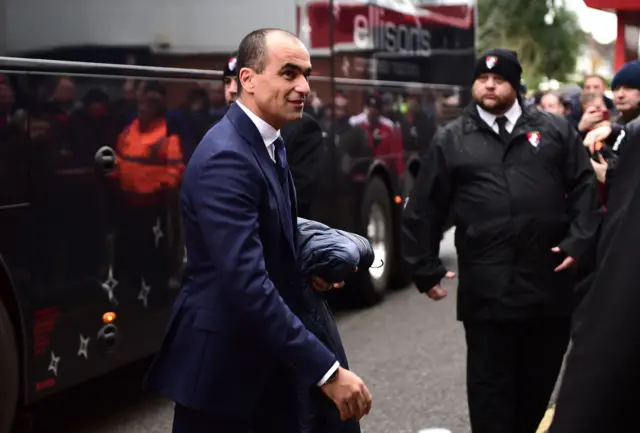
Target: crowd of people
541 193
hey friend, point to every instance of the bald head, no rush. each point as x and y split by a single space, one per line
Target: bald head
273 74
253 52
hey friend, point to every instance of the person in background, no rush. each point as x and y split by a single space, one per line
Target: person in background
230 80
595 84
217 106
595 111
552 103
304 142
601 380
626 97
626 92
521 191
537 98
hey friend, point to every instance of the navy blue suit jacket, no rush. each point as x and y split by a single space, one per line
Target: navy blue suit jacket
233 327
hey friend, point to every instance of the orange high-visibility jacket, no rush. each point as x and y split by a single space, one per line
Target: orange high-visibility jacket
149 161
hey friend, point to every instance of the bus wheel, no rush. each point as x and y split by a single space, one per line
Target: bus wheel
8 371
377 220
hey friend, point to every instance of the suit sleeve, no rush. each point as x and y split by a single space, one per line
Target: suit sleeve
227 212
304 143
584 203
424 217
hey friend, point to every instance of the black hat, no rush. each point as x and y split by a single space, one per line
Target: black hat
374 100
500 62
230 67
95 95
628 76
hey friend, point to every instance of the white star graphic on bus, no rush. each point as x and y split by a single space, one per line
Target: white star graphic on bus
305 31
157 232
346 66
109 286
53 365
144 293
84 346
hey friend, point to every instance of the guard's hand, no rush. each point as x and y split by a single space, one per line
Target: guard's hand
438 293
595 136
566 263
350 395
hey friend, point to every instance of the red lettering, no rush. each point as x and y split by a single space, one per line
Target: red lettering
45 384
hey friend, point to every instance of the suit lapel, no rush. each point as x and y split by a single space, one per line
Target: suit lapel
250 133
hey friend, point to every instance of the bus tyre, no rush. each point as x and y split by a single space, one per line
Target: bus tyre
378 225
8 371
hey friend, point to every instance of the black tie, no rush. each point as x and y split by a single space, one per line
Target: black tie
502 128
280 155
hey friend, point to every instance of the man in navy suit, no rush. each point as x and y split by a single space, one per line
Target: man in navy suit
235 353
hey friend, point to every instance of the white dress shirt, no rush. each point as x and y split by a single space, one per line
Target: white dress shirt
267 132
512 115
270 135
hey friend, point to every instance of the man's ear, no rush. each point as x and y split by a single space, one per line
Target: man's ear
247 80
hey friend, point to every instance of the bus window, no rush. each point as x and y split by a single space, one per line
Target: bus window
14 141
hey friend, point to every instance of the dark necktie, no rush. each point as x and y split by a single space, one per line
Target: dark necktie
280 155
502 128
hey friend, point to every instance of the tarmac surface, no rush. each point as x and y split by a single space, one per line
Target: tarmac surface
409 350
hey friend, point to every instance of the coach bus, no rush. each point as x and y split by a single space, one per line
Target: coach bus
88 273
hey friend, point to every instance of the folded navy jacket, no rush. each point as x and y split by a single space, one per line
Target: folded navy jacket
332 255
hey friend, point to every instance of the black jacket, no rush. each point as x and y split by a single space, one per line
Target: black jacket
332 255
304 142
605 355
511 204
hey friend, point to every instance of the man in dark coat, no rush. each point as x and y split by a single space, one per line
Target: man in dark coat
602 378
521 190
304 142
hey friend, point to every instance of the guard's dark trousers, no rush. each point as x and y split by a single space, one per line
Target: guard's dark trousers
512 368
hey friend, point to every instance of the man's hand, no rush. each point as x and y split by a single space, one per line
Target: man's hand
350 395
600 168
590 117
320 285
566 263
595 136
437 293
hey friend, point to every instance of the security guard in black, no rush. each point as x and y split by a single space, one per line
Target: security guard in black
522 194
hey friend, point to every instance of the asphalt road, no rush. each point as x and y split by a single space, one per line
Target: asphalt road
409 350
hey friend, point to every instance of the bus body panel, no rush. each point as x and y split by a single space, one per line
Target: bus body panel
76 247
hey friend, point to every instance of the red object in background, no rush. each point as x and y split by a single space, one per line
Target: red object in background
43 326
629 5
357 19
628 14
603 194
386 141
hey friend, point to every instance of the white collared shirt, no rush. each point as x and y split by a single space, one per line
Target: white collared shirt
270 135
267 132
512 115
